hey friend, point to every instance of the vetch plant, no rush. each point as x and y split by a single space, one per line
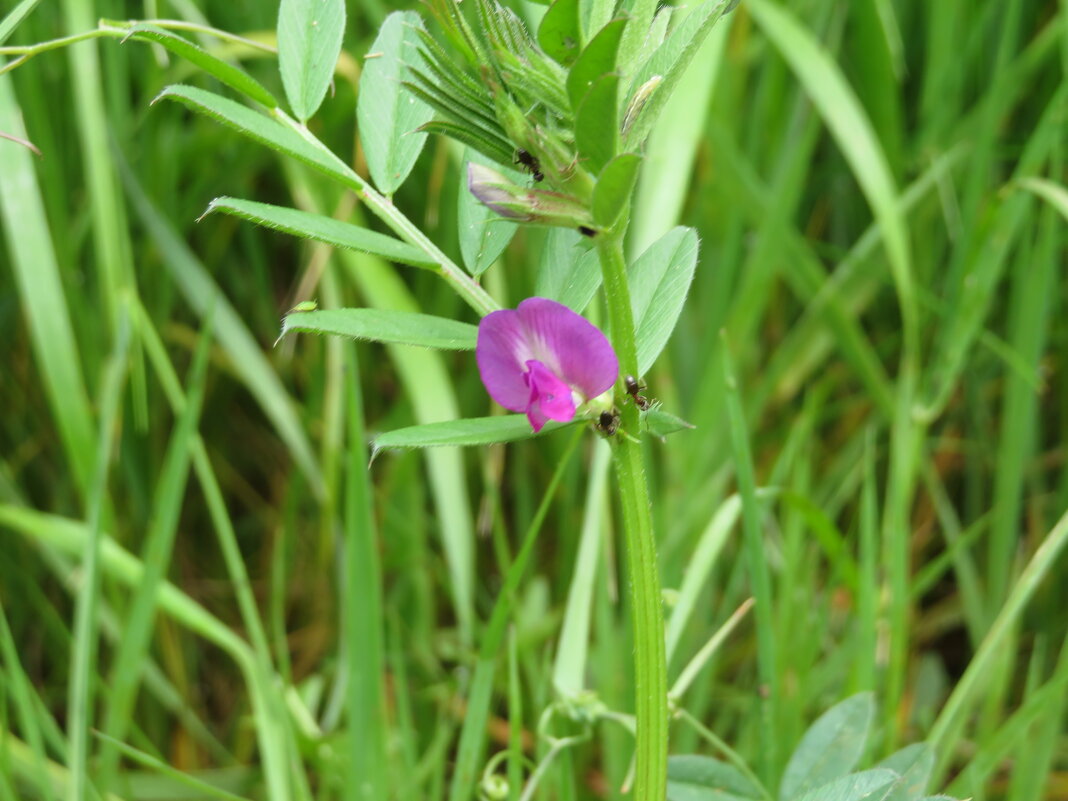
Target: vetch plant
570 105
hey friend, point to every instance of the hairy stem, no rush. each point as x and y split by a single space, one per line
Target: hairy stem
382 207
650 664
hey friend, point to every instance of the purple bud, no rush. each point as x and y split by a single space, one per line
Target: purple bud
494 191
498 194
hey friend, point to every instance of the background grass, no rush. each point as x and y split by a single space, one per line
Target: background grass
887 282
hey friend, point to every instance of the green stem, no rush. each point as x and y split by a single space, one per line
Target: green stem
732 755
650 664
382 207
191 27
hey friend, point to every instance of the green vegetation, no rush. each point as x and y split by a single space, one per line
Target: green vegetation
230 566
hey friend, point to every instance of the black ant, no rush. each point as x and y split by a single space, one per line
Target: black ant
634 389
608 423
531 163
586 231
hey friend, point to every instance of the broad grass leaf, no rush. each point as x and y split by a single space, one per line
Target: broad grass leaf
598 58
569 271
234 77
597 123
560 32
830 748
309 43
868 785
483 233
389 114
35 272
614 187
573 645
701 778
384 325
262 129
470 431
668 62
914 765
659 281
322 229
699 567
844 115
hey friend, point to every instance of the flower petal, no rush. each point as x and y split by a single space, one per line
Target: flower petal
543 359
550 398
502 352
569 345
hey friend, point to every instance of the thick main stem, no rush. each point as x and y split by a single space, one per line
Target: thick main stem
650 664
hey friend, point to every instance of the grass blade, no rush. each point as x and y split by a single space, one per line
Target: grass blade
74 537
845 117
156 559
149 761
41 294
569 668
84 648
945 732
14 17
1053 193
27 704
363 604
756 559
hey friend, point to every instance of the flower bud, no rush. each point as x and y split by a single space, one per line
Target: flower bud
498 194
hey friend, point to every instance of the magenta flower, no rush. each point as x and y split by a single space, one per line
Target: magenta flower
544 360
